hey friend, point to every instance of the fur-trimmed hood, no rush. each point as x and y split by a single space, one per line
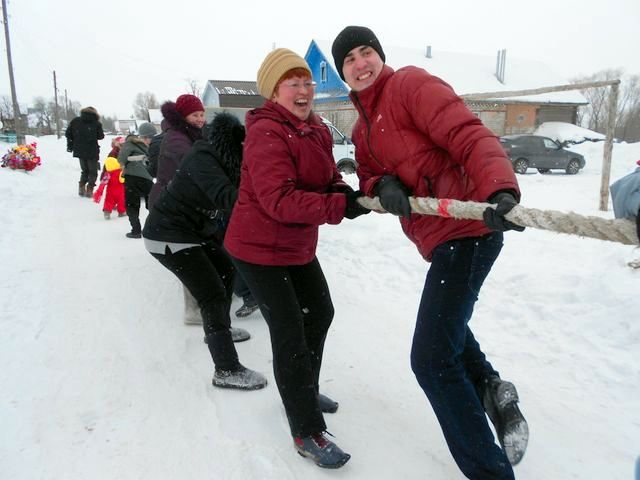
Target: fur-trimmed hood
89 114
224 137
177 121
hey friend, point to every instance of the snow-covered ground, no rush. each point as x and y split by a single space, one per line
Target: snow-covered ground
101 379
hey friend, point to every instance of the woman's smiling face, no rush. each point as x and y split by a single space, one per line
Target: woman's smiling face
296 95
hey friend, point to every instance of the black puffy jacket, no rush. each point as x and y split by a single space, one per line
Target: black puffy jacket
195 205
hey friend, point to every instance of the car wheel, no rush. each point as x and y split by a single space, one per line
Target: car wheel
520 166
573 167
544 170
346 166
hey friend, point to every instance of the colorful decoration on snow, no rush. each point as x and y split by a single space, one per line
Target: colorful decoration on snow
22 157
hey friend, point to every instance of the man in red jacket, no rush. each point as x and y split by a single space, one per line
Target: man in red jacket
414 136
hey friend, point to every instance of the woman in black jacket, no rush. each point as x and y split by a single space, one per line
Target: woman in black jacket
184 232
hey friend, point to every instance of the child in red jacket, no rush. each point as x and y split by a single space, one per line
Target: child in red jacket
114 184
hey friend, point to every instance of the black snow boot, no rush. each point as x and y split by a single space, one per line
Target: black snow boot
237 335
500 401
326 404
249 306
322 451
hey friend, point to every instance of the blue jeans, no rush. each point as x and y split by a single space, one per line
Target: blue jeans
447 360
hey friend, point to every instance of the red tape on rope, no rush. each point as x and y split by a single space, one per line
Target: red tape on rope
443 207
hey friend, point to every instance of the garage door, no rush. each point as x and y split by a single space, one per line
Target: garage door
555 114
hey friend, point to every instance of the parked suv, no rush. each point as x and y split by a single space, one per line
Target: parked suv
543 153
344 152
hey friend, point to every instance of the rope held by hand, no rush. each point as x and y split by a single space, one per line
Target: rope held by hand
618 230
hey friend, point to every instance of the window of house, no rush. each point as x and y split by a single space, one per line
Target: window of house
323 71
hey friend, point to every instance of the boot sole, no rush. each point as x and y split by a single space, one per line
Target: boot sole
515 440
332 466
239 387
245 313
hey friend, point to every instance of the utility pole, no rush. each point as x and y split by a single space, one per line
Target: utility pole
14 97
56 116
66 106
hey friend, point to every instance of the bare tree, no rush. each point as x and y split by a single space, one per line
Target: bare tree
73 110
108 123
6 112
193 87
44 113
143 102
595 115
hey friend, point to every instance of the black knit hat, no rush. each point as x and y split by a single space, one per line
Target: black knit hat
350 38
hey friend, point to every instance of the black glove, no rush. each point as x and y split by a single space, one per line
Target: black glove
340 188
494 218
353 208
394 196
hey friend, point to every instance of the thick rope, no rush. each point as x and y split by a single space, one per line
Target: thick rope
619 230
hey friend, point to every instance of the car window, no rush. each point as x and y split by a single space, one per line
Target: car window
548 143
338 139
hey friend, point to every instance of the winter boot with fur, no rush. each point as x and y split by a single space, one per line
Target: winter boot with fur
500 401
81 189
326 404
88 191
323 452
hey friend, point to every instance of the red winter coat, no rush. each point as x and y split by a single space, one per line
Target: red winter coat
288 174
413 125
115 193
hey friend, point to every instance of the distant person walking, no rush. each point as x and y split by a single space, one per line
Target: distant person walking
82 136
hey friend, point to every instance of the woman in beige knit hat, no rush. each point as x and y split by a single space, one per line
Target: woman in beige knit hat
289 187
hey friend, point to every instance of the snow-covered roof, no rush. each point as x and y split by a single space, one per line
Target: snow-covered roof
473 73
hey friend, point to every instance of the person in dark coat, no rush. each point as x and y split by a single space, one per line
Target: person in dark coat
154 148
82 136
133 158
290 186
185 119
184 233
182 126
414 136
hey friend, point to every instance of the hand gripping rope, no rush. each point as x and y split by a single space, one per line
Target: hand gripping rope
618 230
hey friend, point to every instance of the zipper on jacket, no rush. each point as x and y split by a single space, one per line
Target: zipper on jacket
368 125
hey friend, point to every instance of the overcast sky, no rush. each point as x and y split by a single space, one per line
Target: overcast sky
106 52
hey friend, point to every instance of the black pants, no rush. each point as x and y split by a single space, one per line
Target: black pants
134 189
447 359
295 302
208 274
88 171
